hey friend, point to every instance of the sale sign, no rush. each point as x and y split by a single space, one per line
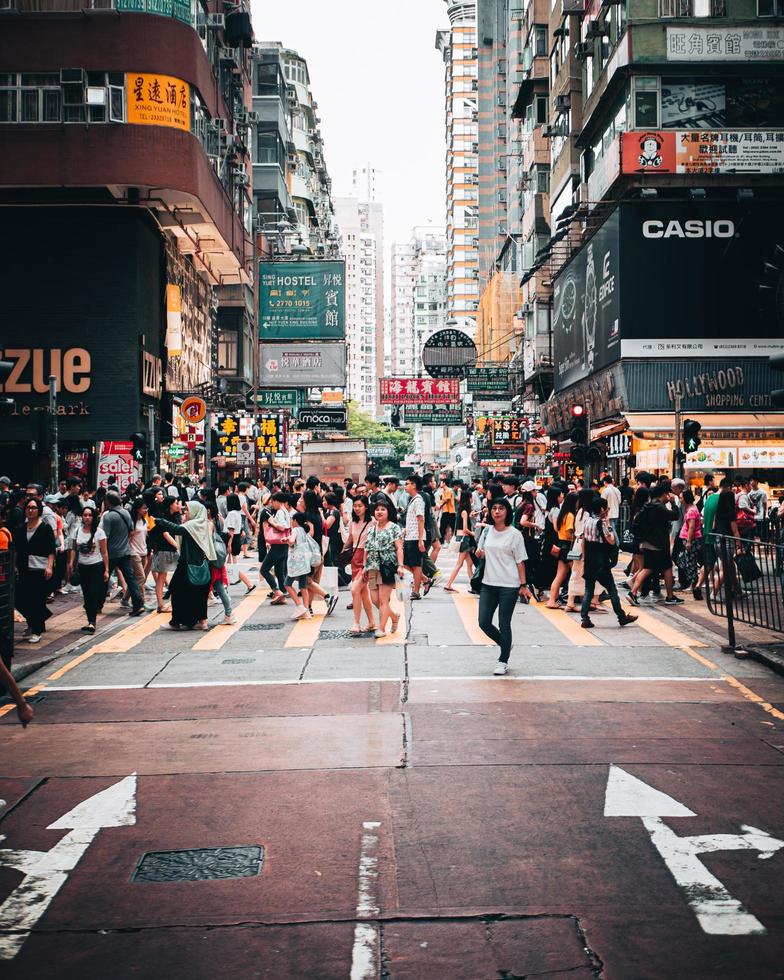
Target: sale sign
116 459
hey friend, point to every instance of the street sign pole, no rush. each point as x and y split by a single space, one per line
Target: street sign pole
54 475
677 464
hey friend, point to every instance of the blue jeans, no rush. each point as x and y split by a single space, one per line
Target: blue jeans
220 591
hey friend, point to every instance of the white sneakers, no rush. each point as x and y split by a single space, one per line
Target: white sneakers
302 612
34 638
229 621
501 668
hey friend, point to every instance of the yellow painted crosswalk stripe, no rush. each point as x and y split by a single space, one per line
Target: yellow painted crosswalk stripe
468 608
306 631
222 633
570 628
669 635
130 636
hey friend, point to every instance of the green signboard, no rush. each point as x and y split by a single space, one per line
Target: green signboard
382 451
176 451
303 300
181 9
278 398
425 414
492 378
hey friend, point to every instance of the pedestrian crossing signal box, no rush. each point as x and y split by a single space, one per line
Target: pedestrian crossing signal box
691 436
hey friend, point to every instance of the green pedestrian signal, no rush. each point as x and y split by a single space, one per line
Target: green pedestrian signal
691 436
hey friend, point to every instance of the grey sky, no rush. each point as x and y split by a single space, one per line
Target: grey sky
379 83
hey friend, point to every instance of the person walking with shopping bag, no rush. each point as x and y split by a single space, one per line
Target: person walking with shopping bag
502 548
190 584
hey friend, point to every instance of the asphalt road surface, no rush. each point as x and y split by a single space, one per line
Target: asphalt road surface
278 800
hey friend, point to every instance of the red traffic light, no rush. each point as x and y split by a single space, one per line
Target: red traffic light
578 410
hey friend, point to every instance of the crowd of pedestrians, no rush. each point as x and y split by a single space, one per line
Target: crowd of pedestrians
173 545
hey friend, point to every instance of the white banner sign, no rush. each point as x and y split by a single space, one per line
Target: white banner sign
761 43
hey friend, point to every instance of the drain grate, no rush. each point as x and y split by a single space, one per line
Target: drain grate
239 660
252 627
200 864
334 634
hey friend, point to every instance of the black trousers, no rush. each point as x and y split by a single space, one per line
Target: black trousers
277 559
93 589
31 592
503 599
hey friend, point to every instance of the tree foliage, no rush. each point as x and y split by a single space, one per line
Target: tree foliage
362 426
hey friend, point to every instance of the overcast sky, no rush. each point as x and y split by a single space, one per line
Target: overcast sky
379 83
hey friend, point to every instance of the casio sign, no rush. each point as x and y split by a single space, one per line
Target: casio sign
694 228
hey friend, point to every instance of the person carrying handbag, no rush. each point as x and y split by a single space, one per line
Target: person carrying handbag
383 563
600 555
190 584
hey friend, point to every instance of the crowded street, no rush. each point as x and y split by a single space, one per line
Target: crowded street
405 807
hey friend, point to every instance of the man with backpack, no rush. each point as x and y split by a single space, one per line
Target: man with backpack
600 555
653 528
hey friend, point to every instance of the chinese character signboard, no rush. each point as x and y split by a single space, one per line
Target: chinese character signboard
508 432
489 378
158 100
749 44
415 391
302 300
434 414
302 365
278 398
448 354
236 430
703 151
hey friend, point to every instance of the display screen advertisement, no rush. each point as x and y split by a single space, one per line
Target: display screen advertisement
672 279
303 300
586 308
701 279
679 151
302 365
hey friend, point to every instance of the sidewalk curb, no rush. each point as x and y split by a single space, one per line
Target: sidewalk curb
771 656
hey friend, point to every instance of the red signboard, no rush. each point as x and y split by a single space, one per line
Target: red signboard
408 391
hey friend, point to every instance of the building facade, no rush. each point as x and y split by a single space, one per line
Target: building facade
458 47
665 204
359 249
126 161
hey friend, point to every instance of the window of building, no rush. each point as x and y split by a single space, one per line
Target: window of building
645 99
228 352
692 8
539 40
270 148
770 8
268 80
30 98
296 72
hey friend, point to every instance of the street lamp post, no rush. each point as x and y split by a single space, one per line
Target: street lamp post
54 474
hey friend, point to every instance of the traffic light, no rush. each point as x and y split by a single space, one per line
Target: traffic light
691 436
6 367
578 435
777 395
139 451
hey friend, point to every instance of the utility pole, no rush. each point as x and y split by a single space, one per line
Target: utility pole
54 475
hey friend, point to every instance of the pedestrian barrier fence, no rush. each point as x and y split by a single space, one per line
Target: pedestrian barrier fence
744 582
7 604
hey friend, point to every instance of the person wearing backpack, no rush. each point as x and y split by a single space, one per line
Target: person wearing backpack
117 527
600 555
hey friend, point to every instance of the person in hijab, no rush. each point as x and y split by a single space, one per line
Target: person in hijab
190 584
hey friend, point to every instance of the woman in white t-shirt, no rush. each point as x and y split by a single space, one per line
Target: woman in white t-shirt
90 555
503 550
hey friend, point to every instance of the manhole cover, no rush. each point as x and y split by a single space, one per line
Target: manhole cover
334 634
200 864
239 660
251 627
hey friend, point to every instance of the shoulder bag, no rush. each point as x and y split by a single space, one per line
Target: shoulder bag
479 567
611 551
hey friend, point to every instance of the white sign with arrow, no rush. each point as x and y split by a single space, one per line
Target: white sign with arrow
718 913
47 871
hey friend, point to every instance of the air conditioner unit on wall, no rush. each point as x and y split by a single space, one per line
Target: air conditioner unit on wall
216 22
596 28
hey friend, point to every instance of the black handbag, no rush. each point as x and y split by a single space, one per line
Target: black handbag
479 574
388 572
748 569
611 551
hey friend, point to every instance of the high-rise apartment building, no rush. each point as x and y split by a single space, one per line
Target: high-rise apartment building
359 248
417 296
458 47
290 178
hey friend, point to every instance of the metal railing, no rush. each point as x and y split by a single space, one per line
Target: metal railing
744 582
7 605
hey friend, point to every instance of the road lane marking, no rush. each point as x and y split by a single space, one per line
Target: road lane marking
663 631
468 608
222 633
751 696
130 636
718 913
570 628
399 636
306 631
365 954
45 872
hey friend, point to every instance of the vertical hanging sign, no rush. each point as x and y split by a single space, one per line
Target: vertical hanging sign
173 321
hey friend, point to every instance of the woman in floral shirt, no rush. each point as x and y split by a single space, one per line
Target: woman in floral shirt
383 562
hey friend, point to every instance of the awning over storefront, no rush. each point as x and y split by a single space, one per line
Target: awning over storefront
710 421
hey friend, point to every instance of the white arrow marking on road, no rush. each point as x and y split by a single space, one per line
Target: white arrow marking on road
47 871
718 913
